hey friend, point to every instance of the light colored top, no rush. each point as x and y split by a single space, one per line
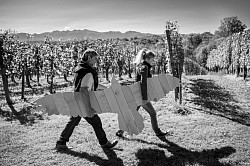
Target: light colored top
88 81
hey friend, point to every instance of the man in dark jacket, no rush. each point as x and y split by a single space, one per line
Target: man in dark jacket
85 80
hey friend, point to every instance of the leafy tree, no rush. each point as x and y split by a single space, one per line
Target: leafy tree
188 51
231 53
8 39
201 55
191 42
206 37
229 26
193 39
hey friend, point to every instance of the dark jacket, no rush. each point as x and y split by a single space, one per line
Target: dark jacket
81 70
142 73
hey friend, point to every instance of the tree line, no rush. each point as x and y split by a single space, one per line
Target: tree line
226 50
27 61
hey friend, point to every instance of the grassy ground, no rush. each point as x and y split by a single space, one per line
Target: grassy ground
211 129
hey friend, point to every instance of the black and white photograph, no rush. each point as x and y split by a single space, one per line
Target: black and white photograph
124 83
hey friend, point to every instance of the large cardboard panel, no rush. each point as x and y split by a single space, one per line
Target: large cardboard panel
50 105
114 107
133 106
136 91
94 102
164 83
80 101
61 104
128 117
151 90
158 87
170 81
39 104
103 102
117 99
73 106
90 112
176 82
122 124
129 97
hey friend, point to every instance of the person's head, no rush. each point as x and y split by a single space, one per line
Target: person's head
144 55
149 56
89 56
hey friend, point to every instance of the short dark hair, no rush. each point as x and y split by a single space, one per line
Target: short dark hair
89 53
149 54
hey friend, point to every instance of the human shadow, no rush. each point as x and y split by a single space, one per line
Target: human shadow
180 156
217 100
112 160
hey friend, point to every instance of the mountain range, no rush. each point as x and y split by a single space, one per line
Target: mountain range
81 34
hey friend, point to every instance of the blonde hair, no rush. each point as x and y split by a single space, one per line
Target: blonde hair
138 58
142 55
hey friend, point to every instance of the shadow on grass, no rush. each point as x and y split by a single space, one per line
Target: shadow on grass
180 156
217 100
24 116
113 160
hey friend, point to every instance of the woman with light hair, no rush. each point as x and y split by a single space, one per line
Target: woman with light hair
143 61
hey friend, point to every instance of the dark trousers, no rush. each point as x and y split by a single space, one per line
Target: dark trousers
94 121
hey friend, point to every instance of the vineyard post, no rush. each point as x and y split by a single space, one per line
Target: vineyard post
37 65
27 71
129 65
169 47
238 56
170 26
178 68
23 75
245 54
134 54
51 69
180 88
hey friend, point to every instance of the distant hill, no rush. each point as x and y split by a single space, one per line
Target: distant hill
83 34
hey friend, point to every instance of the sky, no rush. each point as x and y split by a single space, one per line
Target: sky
146 16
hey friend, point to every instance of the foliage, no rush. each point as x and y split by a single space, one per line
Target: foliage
191 67
53 58
196 49
229 26
232 52
201 55
175 49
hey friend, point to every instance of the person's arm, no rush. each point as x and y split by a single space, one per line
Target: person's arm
144 76
87 100
87 86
